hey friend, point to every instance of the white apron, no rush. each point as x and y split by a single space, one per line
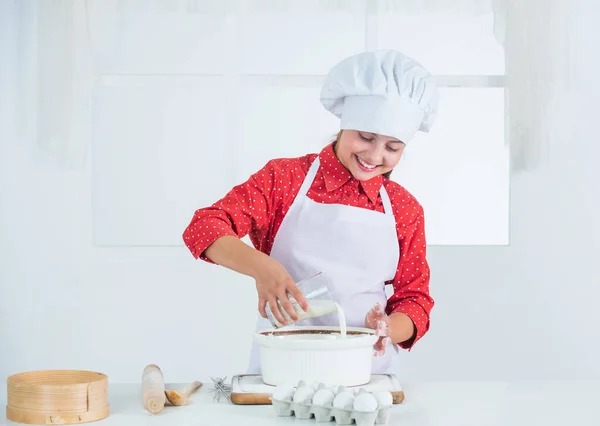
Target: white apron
357 248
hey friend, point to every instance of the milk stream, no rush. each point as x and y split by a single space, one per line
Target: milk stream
317 308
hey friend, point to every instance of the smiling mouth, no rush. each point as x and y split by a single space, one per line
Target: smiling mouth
363 165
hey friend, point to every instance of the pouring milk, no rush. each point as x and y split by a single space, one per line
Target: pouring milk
316 308
317 292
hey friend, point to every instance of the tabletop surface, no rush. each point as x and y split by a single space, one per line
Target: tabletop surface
425 404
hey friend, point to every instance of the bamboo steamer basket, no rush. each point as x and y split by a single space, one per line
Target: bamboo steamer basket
57 397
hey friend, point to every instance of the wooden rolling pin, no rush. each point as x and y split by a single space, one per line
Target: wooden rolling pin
153 389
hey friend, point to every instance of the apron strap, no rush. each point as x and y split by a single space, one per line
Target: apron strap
310 176
385 199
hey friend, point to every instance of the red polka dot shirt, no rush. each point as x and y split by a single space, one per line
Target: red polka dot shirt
257 207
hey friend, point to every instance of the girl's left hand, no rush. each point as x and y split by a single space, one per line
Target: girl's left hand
378 320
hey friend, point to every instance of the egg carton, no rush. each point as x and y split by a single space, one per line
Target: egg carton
328 403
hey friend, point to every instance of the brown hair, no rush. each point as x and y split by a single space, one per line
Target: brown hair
337 138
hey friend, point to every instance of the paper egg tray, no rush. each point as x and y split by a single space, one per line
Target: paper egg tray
328 413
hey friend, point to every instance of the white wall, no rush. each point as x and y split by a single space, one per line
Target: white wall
521 312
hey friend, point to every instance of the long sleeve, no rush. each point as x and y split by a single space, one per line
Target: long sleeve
411 283
245 210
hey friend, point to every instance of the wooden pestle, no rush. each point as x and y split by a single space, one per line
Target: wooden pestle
153 389
182 397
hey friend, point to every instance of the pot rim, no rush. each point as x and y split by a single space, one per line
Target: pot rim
359 337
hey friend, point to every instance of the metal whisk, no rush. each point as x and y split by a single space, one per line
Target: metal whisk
220 389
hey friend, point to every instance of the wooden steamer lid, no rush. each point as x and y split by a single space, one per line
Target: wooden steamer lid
57 397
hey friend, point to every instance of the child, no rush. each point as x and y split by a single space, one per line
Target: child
337 211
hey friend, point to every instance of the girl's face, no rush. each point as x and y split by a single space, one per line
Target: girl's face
367 155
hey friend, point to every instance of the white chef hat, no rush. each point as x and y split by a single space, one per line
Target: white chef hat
382 92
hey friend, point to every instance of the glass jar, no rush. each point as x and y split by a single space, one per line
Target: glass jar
318 293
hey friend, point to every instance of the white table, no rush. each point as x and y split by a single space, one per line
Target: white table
426 404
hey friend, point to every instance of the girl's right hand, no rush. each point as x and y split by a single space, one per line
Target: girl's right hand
273 284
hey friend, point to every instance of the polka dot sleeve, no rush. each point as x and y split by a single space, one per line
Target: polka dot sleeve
411 283
246 209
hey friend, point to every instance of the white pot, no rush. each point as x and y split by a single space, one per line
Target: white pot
316 354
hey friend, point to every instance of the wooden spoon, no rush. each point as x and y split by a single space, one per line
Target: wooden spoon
182 397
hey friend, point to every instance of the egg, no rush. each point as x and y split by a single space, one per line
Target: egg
284 392
339 389
384 399
365 402
323 397
343 400
304 395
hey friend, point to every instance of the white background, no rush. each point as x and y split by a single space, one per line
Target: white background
93 272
